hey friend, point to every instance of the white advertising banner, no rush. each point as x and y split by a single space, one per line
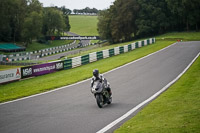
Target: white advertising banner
10 75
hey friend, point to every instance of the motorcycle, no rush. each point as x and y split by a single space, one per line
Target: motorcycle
101 93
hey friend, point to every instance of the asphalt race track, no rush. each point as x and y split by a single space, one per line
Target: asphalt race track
73 109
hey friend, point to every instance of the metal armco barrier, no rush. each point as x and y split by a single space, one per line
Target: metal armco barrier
99 55
68 64
85 59
93 57
111 52
37 70
129 47
121 50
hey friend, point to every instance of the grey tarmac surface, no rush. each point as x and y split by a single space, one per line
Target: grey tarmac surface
73 109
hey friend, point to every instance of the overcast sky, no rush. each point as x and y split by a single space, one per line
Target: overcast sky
78 4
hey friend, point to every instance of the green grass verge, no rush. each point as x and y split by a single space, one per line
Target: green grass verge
6 67
51 81
175 111
83 25
184 36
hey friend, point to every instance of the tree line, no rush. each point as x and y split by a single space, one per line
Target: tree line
86 10
128 19
25 20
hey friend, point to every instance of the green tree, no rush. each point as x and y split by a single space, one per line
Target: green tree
103 25
12 13
75 11
54 22
124 14
66 19
34 6
6 8
32 27
186 12
17 19
118 23
65 10
152 18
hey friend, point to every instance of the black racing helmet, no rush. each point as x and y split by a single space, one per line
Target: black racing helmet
96 73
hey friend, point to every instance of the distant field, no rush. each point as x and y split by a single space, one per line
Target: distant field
83 25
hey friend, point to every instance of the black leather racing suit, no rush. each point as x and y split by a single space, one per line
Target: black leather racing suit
102 79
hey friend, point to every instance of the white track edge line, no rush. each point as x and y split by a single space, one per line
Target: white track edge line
106 128
86 79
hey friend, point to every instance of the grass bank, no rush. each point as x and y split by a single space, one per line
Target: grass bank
175 111
184 36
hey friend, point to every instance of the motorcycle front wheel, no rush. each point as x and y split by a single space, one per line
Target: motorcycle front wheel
99 99
109 100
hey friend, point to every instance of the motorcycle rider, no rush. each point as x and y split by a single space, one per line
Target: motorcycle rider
97 76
